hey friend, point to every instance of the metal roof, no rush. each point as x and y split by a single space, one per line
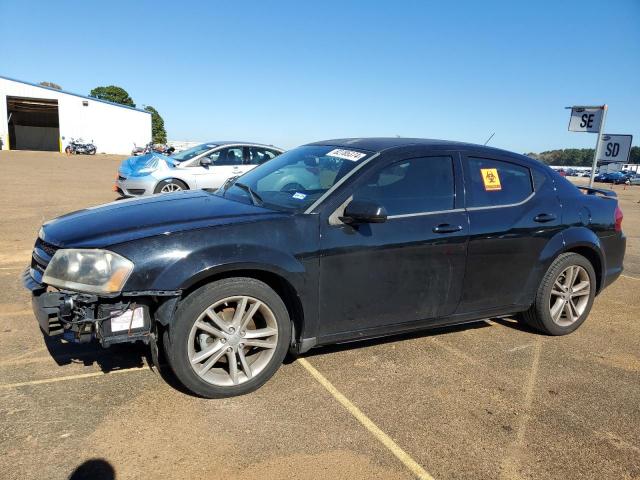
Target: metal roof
74 94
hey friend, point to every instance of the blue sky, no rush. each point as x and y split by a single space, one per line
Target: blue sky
291 72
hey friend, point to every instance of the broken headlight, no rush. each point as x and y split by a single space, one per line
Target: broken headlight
84 270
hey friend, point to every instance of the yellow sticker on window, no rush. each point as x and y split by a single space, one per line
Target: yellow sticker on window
491 179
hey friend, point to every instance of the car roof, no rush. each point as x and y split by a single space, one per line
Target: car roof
221 143
380 144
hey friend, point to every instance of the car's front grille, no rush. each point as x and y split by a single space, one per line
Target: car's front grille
136 191
121 178
48 248
40 258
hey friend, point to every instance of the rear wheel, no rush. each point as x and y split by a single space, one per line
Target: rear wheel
170 185
228 338
564 297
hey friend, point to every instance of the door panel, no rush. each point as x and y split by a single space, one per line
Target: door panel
393 272
226 163
409 268
505 239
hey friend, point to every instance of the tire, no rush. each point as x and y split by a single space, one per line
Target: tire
573 301
212 374
170 185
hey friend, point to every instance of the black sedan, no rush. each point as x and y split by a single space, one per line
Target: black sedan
378 236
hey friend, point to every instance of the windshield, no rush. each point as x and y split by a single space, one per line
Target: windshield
294 180
192 152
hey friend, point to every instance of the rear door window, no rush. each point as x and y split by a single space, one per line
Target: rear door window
493 183
259 155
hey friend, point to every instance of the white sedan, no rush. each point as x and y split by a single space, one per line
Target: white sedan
207 165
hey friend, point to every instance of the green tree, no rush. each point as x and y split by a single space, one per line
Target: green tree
51 85
576 157
113 94
158 133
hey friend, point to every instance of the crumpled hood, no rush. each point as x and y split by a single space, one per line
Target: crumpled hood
127 220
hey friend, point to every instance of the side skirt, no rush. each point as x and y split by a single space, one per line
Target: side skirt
306 344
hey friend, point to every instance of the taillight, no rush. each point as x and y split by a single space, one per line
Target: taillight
618 218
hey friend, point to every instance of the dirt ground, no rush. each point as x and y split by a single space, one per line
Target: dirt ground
488 400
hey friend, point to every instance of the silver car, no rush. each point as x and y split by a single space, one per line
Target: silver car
207 165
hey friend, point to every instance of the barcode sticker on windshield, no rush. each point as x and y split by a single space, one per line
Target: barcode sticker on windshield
346 154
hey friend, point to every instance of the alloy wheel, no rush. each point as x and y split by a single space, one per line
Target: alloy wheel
232 341
170 187
569 295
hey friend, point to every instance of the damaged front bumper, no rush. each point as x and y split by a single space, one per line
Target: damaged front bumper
81 317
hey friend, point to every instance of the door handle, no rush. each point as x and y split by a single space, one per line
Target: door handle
544 217
446 228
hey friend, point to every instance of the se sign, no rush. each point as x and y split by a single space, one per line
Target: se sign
614 148
585 119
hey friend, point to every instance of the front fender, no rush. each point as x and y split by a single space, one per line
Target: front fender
283 245
220 259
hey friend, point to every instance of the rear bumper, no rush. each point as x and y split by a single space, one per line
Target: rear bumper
614 248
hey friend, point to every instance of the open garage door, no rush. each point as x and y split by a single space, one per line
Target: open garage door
33 124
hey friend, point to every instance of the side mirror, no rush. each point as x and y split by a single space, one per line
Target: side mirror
205 162
363 211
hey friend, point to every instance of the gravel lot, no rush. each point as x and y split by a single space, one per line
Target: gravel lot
488 400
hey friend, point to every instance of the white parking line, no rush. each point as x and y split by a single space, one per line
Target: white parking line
629 276
382 437
70 377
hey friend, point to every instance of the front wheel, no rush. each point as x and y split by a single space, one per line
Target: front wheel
564 297
228 338
170 185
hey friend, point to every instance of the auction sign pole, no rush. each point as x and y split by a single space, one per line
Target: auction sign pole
589 119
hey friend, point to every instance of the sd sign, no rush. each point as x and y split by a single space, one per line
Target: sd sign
614 148
585 119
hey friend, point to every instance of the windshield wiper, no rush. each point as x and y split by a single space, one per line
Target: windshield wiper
255 198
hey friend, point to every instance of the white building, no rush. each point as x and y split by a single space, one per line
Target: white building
33 117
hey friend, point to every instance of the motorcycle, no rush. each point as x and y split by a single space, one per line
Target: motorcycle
137 151
78 147
156 148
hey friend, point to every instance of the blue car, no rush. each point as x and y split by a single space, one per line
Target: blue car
611 177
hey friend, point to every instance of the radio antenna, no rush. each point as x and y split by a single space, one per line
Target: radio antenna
489 139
